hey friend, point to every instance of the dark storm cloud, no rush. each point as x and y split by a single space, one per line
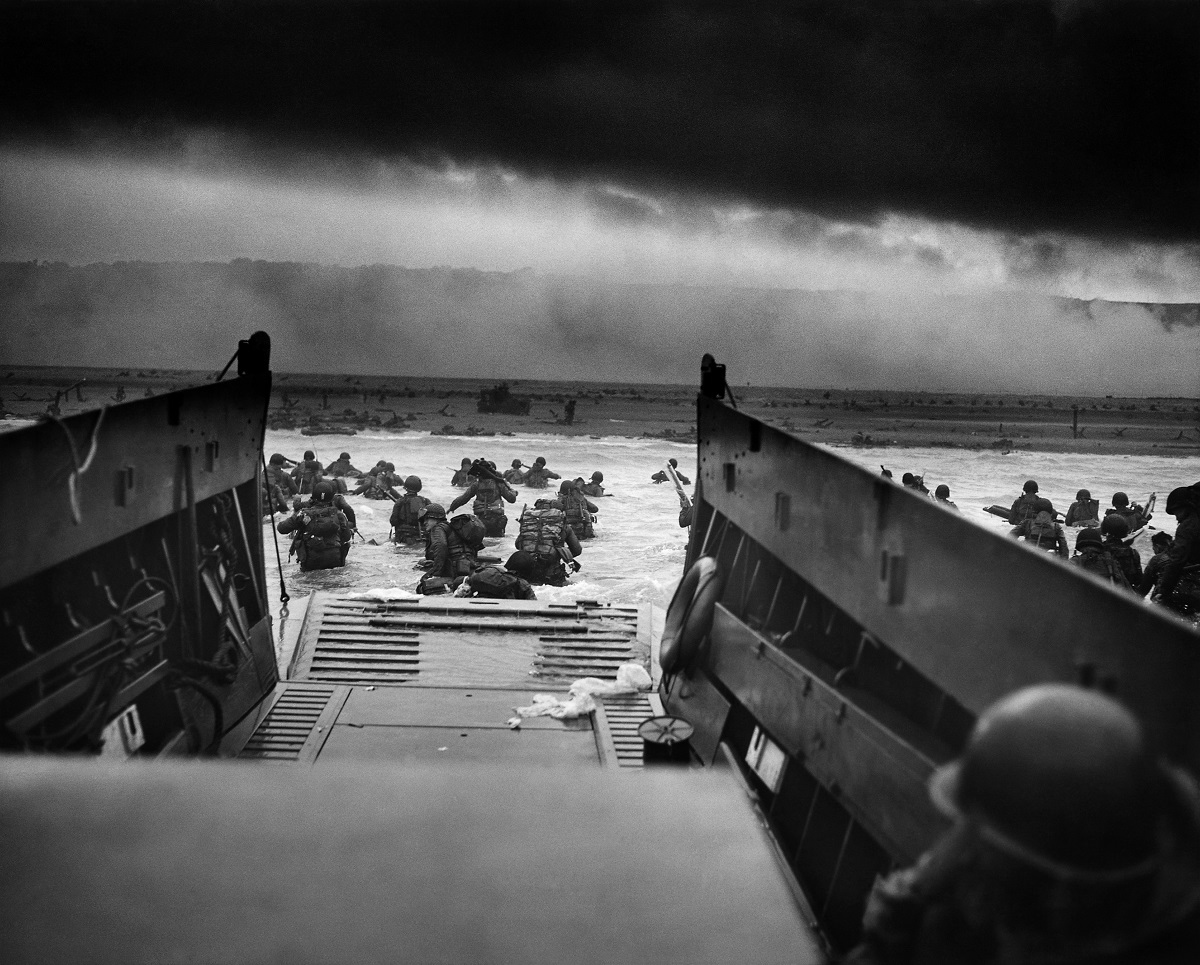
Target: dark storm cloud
1013 115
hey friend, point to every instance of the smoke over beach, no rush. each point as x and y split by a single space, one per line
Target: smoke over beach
468 323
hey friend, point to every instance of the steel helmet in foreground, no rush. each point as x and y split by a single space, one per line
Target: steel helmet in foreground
1060 778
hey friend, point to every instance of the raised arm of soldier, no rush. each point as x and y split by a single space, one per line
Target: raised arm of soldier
465 497
572 541
341 503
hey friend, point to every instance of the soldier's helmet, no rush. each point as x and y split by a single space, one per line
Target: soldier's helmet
309 454
1182 497
1030 486
1088 537
323 492
466 461
1114 526
277 459
432 511
1060 778
344 455
413 484
566 486
597 476
943 491
1083 494
674 463
540 461
516 464
1120 500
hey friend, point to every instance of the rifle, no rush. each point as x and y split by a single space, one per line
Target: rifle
684 500
372 542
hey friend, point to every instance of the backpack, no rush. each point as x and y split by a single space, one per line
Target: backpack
325 521
470 530
1042 531
542 532
404 513
496 583
1096 560
579 517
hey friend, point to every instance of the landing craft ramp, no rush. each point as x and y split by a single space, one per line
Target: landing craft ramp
438 679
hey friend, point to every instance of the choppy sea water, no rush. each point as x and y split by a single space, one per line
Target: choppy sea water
638 553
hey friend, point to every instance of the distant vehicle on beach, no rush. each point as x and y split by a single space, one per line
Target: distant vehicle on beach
501 399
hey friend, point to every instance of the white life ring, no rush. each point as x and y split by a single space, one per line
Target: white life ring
690 615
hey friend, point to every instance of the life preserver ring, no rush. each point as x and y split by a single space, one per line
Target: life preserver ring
690 615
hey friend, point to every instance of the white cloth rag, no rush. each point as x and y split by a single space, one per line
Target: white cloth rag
631 678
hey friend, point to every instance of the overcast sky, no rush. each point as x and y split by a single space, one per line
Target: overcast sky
891 148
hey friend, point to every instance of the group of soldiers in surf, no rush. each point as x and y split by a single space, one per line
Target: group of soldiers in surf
548 541
1104 544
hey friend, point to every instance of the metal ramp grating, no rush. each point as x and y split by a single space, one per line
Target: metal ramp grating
618 717
585 655
349 641
351 647
283 733
594 644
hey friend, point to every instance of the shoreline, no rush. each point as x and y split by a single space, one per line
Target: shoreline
343 405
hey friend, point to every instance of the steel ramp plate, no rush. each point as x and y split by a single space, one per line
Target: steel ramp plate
309 721
377 863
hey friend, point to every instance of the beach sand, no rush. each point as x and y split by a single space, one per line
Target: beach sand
320 404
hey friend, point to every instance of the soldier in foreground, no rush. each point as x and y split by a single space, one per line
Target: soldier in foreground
451 550
1179 587
538 476
1085 511
278 485
1043 532
490 490
507 582
1071 844
321 529
578 508
545 535
662 477
1136 516
306 472
1152 574
1028 504
407 511
1091 555
342 466
462 477
942 496
1114 529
